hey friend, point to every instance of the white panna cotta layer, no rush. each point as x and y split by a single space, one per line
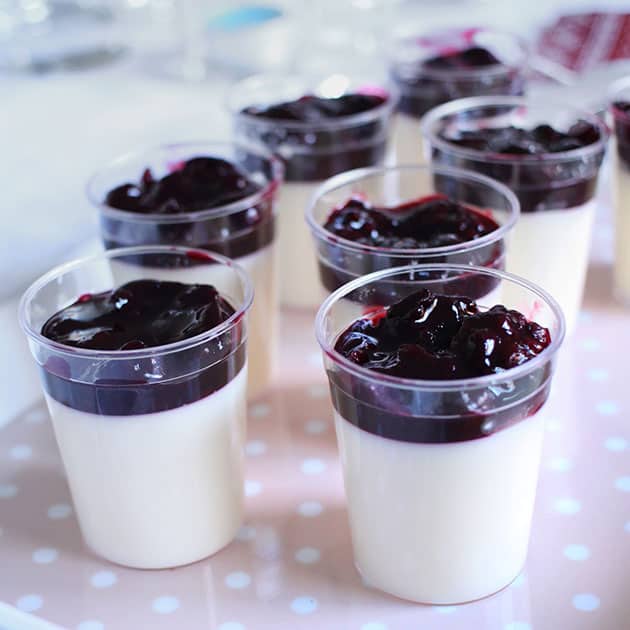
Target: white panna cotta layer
622 233
550 248
261 268
299 277
161 489
407 142
441 523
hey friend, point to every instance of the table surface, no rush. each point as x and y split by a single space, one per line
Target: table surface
291 566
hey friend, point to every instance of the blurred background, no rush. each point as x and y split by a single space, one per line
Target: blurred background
82 81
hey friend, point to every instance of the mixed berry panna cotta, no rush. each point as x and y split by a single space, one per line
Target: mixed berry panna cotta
146 386
318 129
216 196
429 70
550 156
358 230
439 408
620 109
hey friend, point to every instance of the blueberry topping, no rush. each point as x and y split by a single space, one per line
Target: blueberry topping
428 336
433 221
139 314
200 183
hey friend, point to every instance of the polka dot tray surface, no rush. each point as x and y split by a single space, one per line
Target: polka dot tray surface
291 564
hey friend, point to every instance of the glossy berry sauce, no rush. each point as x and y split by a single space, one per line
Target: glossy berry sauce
310 136
518 141
314 109
428 222
437 337
539 184
140 314
200 183
421 90
621 117
192 186
473 57
433 221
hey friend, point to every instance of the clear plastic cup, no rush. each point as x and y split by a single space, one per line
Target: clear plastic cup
311 152
151 439
341 260
244 230
619 94
558 192
440 476
423 87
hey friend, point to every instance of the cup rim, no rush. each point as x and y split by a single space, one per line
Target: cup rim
355 175
141 353
261 80
614 90
474 73
277 169
475 102
441 385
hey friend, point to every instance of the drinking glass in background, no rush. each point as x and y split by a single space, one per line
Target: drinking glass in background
41 36
440 475
341 260
312 151
151 439
434 68
557 191
619 99
244 230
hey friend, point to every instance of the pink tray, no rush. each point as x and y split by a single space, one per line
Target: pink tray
291 566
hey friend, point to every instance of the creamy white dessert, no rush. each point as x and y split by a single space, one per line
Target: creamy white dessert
550 248
298 275
441 523
160 489
407 142
440 426
622 232
261 268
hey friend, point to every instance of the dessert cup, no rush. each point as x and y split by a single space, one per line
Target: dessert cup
557 191
151 439
341 260
244 230
423 87
620 97
440 475
312 152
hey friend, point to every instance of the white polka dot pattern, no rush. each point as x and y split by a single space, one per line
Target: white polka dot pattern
291 564
304 605
165 605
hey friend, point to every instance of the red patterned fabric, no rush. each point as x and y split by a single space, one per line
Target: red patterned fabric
580 42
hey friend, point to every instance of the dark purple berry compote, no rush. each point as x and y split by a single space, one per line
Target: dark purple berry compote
193 186
536 163
451 74
473 57
430 336
138 315
621 117
437 337
518 141
432 222
200 183
318 137
314 109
